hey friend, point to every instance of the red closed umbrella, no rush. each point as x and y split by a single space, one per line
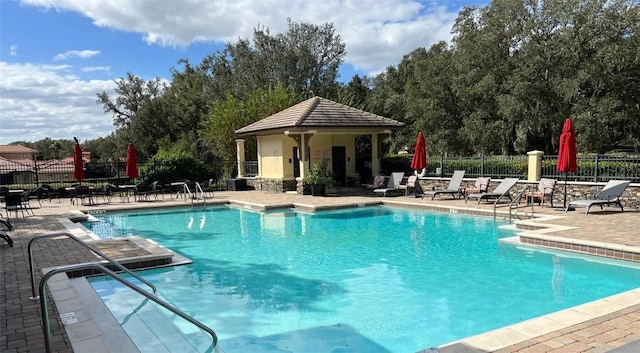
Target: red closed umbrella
567 160
567 155
132 168
419 161
78 163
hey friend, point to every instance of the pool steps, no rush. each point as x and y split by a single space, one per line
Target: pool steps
152 328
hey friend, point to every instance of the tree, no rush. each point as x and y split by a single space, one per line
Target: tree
388 99
108 148
185 104
305 58
433 103
485 41
133 92
138 113
232 114
51 149
355 92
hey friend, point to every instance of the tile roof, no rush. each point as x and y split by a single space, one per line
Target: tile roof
16 149
319 113
9 165
24 165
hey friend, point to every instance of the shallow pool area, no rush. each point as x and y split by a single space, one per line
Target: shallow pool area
367 279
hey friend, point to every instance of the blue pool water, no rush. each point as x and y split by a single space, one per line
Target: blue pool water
375 279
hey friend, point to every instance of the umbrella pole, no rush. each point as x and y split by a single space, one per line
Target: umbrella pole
564 205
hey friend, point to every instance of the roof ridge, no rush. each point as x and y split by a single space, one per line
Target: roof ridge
313 104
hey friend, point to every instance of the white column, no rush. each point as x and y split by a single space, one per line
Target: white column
241 157
535 165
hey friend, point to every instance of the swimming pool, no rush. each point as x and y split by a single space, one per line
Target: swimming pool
374 279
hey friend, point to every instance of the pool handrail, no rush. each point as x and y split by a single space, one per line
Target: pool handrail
96 266
81 242
514 201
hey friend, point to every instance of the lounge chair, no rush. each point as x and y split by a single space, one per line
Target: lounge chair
378 182
502 190
3 234
544 190
411 184
610 194
6 237
6 223
453 189
481 185
392 184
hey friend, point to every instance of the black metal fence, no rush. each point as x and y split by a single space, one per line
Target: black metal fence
591 168
59 175
596 168
493 166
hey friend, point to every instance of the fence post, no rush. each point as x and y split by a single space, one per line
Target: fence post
595 172
35 168
482 165
535 165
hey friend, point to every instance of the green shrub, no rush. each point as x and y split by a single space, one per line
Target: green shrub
172 168
320 174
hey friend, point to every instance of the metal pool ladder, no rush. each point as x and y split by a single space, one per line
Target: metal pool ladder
79 241
516 201
101 268
196 194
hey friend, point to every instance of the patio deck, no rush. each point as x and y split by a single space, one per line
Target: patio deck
20 319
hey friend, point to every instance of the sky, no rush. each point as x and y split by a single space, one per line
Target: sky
57 55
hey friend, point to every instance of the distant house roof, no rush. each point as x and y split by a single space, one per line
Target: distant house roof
322 114
16 149
21 165
56 165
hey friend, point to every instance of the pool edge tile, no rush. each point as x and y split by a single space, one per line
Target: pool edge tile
522 331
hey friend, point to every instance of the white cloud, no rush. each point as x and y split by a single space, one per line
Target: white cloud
377 32
76 54
95 68
38 101
49 101
13 50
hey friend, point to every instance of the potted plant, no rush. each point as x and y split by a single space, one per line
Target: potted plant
320 177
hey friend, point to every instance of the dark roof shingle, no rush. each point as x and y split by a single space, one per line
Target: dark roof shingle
318 112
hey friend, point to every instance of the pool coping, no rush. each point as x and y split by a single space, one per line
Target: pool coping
525 330
535 233
88 322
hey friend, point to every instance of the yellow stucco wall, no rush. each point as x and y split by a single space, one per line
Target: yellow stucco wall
277 150
288 145
320 148
271 156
